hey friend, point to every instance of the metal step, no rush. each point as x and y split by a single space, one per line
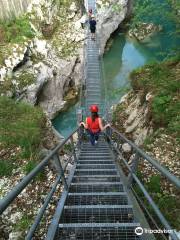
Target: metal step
96 178
90 155
97 214
100 150
115 231
82 172
82 162
95 166
98 187
95 158
97 198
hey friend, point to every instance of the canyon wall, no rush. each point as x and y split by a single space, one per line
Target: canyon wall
10 8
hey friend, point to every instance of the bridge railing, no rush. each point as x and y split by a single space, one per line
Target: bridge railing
60 179
117 139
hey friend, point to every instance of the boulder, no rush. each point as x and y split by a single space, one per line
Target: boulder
15 217
126 148
15 235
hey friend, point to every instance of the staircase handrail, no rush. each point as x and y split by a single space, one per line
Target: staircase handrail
171 177
7 200
139 153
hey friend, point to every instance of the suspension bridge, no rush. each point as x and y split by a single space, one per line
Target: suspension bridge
99 199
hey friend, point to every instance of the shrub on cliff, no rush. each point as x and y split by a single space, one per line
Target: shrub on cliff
15 30
21 131
162 80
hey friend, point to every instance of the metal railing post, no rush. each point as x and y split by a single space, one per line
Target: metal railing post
79 116
74 152
60 169
133 169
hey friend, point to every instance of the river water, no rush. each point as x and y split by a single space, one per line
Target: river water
124 55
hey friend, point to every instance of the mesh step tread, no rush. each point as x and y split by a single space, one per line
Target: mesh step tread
84 162
96 153
99 207
97 199
92 183
92 170
97 232
99 225
95 178
95 166
111 187
82 172
98 193
97 215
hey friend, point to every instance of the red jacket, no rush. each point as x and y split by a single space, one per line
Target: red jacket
93 126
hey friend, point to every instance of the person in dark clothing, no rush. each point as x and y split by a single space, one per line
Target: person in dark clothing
92 24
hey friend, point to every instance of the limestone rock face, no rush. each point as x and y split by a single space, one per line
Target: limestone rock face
55 77
11 8
144 31
109 18
136 123
36 70
51 99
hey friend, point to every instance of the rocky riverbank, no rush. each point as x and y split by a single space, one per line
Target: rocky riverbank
148 113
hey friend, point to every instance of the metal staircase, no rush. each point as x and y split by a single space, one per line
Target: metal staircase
93 77
97 205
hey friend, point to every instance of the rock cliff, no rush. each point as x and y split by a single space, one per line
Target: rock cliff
110 15
11 8
42 70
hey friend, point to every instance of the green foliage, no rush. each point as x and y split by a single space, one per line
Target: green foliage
168 204
6 168
162 80
68 147
161 12
30 166
116 7
25 79
21 125
23 223
154 185
160 108
16 30
119 91
148 141
119 108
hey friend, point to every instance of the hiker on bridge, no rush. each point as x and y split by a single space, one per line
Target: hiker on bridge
90 13
92 23
94 124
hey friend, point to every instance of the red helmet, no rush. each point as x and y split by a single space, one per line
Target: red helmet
93 108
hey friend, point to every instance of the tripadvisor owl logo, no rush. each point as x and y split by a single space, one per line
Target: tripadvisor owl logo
138 231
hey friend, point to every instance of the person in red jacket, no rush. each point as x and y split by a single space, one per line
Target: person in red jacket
94 124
